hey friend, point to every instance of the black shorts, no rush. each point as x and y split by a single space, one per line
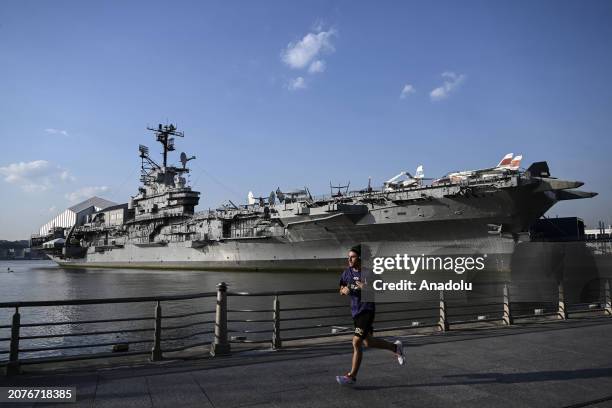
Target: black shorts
363 324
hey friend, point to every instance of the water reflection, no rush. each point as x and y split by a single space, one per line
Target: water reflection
44 280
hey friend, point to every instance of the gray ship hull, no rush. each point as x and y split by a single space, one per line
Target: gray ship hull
280 254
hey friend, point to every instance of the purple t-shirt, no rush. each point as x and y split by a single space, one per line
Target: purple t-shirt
349 278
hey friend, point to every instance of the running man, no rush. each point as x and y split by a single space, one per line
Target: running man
363 318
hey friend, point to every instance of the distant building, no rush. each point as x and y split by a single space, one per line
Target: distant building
602 232
76 214
17 250
17 253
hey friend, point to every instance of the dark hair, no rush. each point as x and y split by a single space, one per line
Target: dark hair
356 249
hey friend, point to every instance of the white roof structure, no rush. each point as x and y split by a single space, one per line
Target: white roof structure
99 203
73 214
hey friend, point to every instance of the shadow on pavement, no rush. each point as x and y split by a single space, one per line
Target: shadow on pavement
510 378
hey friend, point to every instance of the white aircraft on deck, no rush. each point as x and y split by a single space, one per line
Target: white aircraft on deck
409 180
507 164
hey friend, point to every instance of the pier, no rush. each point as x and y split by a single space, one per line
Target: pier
224 354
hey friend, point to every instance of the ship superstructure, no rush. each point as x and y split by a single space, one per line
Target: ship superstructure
480 210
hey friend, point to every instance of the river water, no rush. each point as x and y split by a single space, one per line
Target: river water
44 280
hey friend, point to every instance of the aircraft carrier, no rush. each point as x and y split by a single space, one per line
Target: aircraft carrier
468 212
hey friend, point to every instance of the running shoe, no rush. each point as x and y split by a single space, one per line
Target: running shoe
345 380
399 351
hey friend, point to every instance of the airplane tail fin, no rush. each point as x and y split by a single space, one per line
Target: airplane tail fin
251 198
516 162
419 172
505 162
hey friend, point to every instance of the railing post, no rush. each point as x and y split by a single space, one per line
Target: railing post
607 300
508 320
562 311
276 336
443 322
220 345
156 352
12 367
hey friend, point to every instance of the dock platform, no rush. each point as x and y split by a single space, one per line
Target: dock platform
547 363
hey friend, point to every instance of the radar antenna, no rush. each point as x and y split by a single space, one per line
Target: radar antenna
184 159
147 165
164 133
339 188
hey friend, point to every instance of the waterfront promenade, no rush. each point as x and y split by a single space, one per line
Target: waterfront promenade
543 363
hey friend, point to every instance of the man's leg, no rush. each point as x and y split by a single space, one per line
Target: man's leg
396 347
357 355
373 342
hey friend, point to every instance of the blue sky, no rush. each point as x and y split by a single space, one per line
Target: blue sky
290 94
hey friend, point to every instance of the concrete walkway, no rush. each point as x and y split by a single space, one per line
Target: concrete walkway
546 364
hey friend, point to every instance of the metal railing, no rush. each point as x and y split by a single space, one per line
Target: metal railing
175 332
94 334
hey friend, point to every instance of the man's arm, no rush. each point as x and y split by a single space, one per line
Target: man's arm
344 290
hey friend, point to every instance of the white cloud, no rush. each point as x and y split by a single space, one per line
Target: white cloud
297 84
317 66
299 55
37 175
451 82
407 90
85 193
57 131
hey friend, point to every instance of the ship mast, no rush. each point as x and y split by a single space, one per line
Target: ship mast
164 133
